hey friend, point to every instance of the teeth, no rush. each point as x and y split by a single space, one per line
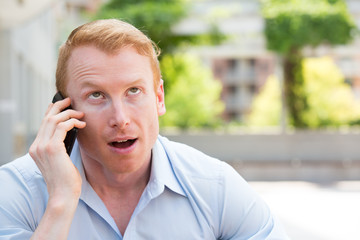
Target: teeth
122 141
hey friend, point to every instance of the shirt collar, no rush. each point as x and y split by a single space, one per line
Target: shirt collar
88 195
161 170
76 159
87 192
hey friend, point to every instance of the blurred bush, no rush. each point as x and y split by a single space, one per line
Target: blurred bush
331 102
192 94
266 107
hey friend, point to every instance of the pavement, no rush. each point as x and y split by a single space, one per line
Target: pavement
315 211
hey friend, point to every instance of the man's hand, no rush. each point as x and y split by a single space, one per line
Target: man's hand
61 176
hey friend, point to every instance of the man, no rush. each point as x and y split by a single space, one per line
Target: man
123 180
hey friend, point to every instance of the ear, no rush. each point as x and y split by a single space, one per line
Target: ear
160 99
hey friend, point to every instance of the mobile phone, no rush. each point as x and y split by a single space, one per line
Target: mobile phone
71 135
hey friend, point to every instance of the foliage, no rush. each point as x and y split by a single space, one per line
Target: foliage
266 107
295 24
192 97
291 25
331 102
156 19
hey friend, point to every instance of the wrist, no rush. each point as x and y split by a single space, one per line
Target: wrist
56 221
62 205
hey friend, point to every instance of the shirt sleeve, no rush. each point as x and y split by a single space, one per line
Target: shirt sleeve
244 215
17 219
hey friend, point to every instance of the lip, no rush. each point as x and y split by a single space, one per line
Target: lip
123 150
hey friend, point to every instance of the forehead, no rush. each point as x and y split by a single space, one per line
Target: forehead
88 54
89 61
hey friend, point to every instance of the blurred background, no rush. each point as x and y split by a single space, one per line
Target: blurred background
271 87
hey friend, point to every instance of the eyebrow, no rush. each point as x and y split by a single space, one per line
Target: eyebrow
93 83
86 83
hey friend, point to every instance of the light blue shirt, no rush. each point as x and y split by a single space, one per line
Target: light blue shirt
189 196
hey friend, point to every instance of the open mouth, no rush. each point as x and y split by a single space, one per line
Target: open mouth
123 144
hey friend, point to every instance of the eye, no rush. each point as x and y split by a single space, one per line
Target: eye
95 95
134 91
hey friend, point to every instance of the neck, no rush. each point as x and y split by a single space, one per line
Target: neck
106 182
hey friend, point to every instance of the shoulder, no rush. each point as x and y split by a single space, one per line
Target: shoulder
23 168
204 178
192 161
25 190
21 173
217 190
193 165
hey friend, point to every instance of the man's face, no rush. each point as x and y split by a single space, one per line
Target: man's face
116 93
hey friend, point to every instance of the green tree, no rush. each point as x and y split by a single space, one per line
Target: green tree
290 25
192 97
156 19
266 107
331 102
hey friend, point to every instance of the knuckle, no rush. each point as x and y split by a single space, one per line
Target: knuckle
63 126
47 119
52 119
36 150
40 149
49 149
32 151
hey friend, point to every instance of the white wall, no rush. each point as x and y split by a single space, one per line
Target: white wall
301 155
27 59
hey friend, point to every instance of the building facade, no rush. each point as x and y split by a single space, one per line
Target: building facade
243 63
30 34
27 63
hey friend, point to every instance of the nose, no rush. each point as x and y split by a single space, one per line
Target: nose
119 115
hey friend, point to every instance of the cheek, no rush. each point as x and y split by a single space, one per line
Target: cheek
152 121
94 123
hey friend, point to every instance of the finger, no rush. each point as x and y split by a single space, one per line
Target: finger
59 106
63 127
45 148
54 116
53 109
61 117
48 109
43 122
64 116
48 126
51 122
